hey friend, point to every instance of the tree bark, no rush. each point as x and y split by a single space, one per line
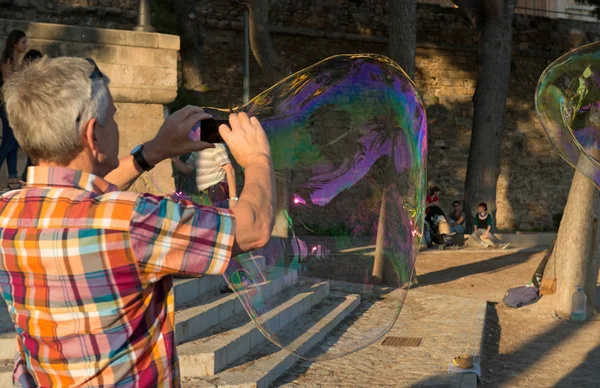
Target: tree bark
495 51
274 70
191 32
402 49
263 50
403 34
577 251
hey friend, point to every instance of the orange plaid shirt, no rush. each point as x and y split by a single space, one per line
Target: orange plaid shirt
86 274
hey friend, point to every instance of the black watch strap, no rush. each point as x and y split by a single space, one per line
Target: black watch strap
138 156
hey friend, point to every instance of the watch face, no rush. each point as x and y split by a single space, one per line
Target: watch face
136 149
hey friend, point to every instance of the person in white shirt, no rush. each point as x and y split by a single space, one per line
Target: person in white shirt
215 176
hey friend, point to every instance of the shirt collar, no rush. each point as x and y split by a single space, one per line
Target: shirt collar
66 177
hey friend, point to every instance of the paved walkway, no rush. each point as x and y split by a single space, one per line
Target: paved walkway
524 347
448 325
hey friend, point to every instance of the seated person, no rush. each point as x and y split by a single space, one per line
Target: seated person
433 199
481 229
457 218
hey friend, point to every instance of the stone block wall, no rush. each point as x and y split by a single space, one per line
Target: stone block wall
534 181
142 68
90 13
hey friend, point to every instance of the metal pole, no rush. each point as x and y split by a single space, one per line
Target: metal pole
246 56
144 18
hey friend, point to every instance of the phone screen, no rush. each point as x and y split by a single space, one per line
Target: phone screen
207 131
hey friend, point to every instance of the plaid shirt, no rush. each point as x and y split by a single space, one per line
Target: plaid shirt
85 272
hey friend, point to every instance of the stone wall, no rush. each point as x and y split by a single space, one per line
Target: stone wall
534 181
143 72
89 13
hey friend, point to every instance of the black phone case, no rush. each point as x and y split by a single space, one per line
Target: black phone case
209 130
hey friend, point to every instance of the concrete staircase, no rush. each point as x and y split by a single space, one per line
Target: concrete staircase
218 344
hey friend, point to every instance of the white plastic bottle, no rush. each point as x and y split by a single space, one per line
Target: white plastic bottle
579 305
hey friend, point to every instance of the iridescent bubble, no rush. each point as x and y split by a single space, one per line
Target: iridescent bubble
349 143
568 105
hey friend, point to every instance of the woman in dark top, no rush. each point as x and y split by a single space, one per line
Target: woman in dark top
482 224
29 57
16 46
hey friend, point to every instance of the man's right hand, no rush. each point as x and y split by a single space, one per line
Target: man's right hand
246 138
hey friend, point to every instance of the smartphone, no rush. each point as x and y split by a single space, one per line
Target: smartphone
207 131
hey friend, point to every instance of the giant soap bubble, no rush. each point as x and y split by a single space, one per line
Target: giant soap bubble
568 105
349 143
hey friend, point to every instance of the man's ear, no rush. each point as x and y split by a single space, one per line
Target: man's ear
89 136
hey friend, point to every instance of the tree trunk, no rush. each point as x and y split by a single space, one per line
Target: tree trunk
402 48
577 251
263 50
191 32
495 44
403 34
274 70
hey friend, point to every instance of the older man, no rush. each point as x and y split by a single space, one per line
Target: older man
86 270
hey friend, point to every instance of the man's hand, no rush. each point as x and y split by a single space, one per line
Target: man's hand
246 139
232 203
172 138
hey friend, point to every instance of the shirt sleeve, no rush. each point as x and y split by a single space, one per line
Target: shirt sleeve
180 237
220 155
489 220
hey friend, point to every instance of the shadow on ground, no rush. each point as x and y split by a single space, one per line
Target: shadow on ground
492 265
505 369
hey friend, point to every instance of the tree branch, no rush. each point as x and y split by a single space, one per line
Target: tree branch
472 9
262 46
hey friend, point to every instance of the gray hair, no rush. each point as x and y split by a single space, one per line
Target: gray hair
49 103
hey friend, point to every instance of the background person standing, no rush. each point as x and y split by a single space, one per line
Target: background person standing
16 46
215 176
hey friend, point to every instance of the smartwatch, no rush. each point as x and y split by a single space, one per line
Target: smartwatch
139 158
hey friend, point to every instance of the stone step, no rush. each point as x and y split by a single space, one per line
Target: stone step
186 291
209 311
189 289
216 350
265 364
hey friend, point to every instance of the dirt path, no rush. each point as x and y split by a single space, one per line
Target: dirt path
524 347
